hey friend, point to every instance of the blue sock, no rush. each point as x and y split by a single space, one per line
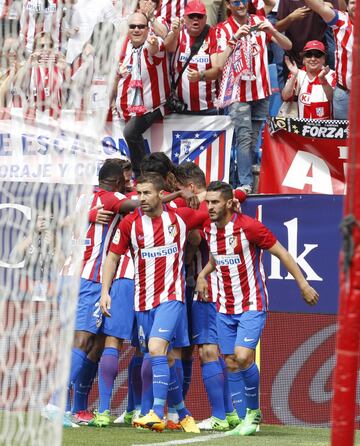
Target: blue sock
83 384
136 382
251 379
236 386
179 371
147 397
187 372
161 376
108 369
213 378
229 407
130 403
77 359
175 397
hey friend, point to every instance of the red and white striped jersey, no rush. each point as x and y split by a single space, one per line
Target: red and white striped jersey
197 95
312 100
259 87
172 8
237 250
155 84
46 81
36 18
125 269
98 237
344 38
157 246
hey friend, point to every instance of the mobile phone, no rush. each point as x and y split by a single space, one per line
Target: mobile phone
254 28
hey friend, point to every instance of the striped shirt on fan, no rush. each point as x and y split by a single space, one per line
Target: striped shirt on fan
98 237
197 95
172 8
36 18
312 100
259 87
157 246
344 39
46 82
154 77
237 250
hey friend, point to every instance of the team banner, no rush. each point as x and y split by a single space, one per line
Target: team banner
73 155
303 156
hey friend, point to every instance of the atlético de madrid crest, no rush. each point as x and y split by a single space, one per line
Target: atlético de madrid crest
172 230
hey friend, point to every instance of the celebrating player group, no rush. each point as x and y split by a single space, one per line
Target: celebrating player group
171 263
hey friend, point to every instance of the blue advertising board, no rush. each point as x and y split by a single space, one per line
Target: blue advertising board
308 227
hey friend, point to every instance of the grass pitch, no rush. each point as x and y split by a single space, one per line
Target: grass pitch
127 436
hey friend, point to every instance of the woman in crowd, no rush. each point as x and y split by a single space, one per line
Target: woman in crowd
312 85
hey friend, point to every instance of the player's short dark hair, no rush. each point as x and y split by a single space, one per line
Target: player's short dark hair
158 163
221 186
111 170
153 178
190 172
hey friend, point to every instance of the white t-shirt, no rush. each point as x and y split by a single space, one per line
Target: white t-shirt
87 13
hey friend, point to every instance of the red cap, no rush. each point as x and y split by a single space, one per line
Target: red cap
314 45
195 7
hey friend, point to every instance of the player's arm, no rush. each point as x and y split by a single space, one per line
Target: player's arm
322 8
128 206
309 294
201 283
190 198
111 262
99 215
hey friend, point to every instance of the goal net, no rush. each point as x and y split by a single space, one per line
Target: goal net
55 84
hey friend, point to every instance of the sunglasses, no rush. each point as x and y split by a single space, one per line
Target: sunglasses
316 54
239 2
137 26
196 16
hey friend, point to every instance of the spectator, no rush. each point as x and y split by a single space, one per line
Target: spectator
40 16
300 25
158 24
249 112
86 14
197 86
43 79
343 27
313 84
142 85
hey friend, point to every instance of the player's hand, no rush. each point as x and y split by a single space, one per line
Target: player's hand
105 304
202 288
101 216
191 198
310 295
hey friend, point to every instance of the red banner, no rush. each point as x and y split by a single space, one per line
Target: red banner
296 164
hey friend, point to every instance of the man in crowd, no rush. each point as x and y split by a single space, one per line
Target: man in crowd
343 27
236 242
197 86
249 112
142 85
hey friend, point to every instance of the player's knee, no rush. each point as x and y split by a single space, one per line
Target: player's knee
208 353
244 360
83 341
231 363
157 347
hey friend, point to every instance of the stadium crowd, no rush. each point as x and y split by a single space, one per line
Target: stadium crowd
178 57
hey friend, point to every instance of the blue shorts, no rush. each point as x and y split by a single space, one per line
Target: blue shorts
88 314
204 329
239 330
181 338
120 324
160 322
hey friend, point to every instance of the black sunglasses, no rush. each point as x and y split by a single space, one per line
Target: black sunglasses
315 53
137 26
196 16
